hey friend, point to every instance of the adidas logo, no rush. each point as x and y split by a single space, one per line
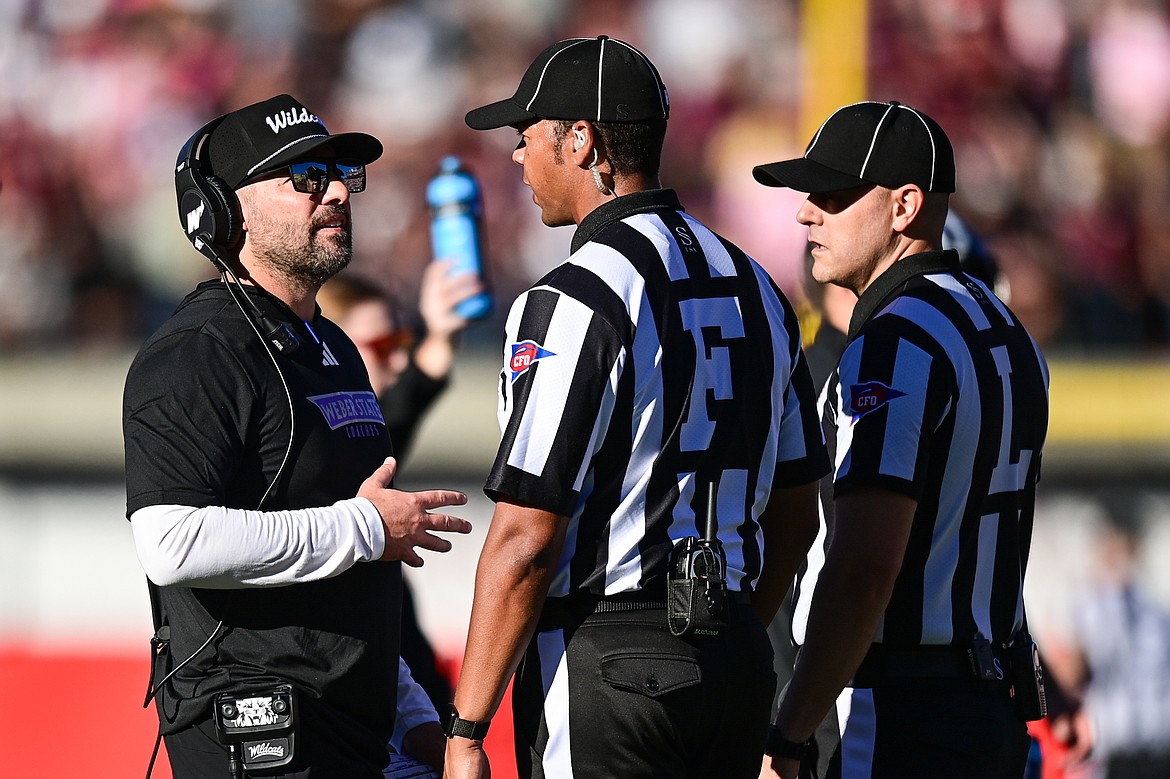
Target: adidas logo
327 357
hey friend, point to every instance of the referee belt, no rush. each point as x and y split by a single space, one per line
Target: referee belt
882 663
561 612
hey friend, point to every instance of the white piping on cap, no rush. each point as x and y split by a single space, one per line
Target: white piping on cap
820 129
651 68
873 141
540 81
933 150
281 150
600 70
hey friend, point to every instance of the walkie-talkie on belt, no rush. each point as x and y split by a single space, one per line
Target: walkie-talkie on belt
696 587
258 728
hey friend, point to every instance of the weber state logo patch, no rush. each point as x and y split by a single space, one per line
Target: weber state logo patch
357 412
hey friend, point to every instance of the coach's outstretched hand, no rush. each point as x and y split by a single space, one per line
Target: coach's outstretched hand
406 516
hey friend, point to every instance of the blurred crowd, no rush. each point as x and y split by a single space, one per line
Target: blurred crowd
1059 109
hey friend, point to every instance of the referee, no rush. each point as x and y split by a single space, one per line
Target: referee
655 371
912 616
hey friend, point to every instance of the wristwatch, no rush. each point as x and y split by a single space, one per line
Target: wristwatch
464 728
778 746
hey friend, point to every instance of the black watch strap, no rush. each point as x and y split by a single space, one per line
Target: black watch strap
464 728
778 746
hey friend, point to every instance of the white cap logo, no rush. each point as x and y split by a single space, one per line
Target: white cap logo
283 119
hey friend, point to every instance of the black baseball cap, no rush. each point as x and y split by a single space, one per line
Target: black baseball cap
598 79
869 143
268 135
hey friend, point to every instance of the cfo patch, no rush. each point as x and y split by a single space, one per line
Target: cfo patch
524 355
864 398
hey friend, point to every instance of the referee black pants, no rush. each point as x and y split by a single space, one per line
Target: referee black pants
616 695
921 728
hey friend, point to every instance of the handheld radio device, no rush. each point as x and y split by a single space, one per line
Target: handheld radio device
696 594
259 729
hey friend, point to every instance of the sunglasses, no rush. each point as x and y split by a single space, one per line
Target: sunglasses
312 178
386 345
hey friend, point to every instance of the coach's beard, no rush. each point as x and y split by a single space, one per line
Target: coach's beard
309 261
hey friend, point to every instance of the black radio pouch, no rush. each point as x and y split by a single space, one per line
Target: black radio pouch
1027 677
258 728
696 584
696 593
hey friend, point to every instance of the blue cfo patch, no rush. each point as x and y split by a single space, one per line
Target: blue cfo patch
864 398
526 354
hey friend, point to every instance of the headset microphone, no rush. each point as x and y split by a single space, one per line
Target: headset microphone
276 333
279 334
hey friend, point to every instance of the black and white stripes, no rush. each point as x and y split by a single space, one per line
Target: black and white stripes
657 359
942 396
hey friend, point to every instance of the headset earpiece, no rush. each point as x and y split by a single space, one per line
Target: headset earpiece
212 221
209 212
578 140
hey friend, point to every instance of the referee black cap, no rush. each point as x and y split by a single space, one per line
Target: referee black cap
597 79
869 143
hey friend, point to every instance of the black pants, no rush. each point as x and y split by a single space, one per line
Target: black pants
945 728
616 695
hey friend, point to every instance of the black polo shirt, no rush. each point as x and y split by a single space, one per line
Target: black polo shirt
207 422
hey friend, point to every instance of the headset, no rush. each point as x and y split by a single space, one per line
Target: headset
208 209
578 140
209 213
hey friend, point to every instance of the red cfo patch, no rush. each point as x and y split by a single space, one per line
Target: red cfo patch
524 355
864 398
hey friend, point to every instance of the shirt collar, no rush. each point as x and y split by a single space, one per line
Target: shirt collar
895 277
621 207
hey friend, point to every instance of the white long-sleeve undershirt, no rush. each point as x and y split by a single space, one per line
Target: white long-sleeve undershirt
221 548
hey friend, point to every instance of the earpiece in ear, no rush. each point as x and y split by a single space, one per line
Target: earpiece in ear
578 140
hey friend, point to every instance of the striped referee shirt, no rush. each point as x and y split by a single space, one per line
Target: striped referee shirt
940 395
658 358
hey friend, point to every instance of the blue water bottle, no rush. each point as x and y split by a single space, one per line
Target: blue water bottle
456 208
